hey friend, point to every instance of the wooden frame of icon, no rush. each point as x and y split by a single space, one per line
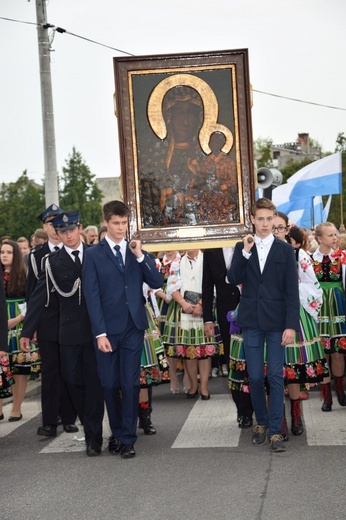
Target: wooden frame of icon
186 151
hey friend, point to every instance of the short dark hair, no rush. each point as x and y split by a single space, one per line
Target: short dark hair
115 207
263 203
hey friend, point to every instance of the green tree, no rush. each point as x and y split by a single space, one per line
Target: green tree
20 203
340 145
293 167
263 152
79 190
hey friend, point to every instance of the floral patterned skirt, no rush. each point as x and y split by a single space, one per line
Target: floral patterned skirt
6 379
184 337
305 360
332 326
21 363
154 366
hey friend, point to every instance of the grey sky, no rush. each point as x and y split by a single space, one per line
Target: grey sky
296 49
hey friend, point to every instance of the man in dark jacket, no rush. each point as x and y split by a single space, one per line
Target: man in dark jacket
268 314
55 396
61 277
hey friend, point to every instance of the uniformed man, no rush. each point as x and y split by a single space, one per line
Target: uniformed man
55 397
60 278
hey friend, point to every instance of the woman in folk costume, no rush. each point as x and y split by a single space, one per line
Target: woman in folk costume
184 329
160 301
329 266
305 360
151 372
21 364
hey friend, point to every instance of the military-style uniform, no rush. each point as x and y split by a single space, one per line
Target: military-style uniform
55 396
60 280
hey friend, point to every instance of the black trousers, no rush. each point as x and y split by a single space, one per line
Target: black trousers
55 395
79 369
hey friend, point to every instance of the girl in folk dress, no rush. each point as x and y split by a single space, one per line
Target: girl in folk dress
163 300
22 365
328 266
305 360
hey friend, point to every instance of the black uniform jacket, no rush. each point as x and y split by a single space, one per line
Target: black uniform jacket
74 324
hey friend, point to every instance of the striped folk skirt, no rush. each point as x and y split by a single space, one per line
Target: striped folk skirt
154 366
21 363
183 336
332 326
305 360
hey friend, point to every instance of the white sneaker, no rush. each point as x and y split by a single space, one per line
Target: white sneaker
224 370
214 372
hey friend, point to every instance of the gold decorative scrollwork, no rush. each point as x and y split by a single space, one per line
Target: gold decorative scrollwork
210 105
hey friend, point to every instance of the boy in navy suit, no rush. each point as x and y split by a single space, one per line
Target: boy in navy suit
113 276
268 313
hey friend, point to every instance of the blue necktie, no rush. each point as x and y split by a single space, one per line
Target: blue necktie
119 258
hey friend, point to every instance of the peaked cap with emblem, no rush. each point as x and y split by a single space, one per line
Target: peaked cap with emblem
66 220
51 211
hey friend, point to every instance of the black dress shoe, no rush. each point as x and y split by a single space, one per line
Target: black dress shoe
15 419
93 450
192 396
245 422
114 446
205 397
70 428
48 431
127 451
1 417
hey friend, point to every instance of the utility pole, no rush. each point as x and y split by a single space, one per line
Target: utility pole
50 165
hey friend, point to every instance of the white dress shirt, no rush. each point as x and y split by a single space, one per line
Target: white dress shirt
79 248
263 247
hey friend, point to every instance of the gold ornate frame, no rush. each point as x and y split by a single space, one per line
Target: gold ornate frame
186 148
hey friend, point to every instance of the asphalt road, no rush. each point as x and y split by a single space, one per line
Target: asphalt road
200 465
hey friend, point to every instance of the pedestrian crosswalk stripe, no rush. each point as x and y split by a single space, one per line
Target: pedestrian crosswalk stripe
210 424
324 428
29 410
74 442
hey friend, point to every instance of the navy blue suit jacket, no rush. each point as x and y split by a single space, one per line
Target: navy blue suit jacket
110 294
269 300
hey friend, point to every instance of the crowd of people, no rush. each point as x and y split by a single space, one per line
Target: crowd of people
103 321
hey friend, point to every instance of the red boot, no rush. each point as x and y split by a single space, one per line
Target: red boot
296 414
339 390
326 394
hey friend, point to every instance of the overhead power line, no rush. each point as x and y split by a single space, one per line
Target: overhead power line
298 100
64 31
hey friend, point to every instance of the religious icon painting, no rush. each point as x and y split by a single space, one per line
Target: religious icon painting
186 147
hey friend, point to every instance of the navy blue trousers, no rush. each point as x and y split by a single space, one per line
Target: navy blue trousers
119 373
254 340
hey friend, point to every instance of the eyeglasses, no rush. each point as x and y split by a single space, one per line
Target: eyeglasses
279 229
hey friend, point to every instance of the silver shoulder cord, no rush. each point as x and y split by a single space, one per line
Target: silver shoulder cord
77 286
34 265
